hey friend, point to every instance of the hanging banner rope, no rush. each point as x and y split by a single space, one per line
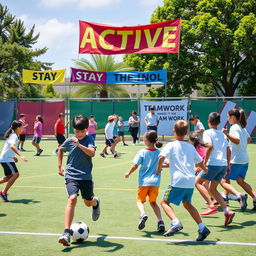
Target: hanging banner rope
43 77
121 77
160 37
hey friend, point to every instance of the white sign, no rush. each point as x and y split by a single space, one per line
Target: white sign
168 113
251 123
228 105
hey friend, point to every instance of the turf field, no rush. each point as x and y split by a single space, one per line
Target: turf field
38 200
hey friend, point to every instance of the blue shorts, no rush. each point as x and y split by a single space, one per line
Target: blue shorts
237 170
154 128
214 173
120 133
177 195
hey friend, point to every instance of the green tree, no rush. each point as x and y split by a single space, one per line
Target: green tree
101 63
49 92
16 53
218 45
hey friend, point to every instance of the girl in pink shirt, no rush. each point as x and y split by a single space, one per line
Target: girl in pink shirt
38 131
92 127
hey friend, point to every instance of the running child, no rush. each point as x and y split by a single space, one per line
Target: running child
8 159
149 182
120 130
92 127
182 156
38 132
238 139
115 131
78 174
198 126
22 137
217 160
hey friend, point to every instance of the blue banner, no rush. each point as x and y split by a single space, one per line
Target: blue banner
6 115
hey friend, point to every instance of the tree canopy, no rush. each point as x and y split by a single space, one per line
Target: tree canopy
17 53
218 47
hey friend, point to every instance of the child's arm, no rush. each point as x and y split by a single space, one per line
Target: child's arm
160 164
88 151
202 166
134 167
60 157
208 152
16 151
231 137
228 158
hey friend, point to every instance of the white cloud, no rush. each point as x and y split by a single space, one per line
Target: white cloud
79 3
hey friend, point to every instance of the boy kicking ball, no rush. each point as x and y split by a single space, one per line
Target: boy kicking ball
78 174
182 157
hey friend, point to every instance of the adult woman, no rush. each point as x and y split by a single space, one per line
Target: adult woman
134 122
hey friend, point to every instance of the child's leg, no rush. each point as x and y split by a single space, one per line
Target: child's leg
140 207
10 182
216 193
229 188
123 139
168 210
5 179
193 212
240 181
203 191
21 143
90 203
156 209
105 149
36 145
70 210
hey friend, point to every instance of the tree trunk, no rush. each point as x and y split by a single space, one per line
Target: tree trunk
103 94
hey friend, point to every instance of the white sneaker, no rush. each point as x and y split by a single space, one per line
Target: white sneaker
54 153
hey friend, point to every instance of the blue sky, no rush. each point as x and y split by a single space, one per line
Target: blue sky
57 21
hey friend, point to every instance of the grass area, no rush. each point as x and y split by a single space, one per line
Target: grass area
38 199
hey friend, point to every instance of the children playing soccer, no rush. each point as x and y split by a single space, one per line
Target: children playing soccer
22 137
182 157
38 132
217 160
149 182
78 174
120 130
238 139
8 159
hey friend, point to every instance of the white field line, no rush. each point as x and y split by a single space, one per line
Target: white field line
135 239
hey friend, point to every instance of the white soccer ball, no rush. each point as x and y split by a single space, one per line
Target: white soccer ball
79 231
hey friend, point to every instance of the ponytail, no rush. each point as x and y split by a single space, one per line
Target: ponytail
14 126
152 137
243 120
196 140
159 144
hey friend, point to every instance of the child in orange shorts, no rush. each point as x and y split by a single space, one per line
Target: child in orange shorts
149 182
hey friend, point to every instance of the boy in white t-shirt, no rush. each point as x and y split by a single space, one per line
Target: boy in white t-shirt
217 159
182 157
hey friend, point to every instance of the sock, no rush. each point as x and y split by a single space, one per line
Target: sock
225 210
67 230
175 222
201 226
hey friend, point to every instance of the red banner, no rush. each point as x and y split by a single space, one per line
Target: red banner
163 37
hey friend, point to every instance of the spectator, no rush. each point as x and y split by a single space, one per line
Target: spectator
151 120
134 122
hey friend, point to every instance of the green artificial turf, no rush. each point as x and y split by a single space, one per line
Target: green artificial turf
38 200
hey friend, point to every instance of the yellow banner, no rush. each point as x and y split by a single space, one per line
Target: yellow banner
43 77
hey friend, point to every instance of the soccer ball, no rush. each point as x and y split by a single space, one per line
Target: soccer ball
79 231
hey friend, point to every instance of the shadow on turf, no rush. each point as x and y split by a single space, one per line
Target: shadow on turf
25 201
100 242
2 215
235 225
149 234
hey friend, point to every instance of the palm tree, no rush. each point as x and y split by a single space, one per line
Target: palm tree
101 63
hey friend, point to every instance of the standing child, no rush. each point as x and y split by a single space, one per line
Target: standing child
38 131
217 160
182 157
23 133
149 182
238 139
8 159
120 131
92 127
78 174
109 134
198 126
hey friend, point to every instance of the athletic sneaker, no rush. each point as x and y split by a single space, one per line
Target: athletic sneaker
103 155
202 235
4 197
116 155
65 239
125 144
55 153
243 202
173 229
142 222
40 151
160 226
209 211
22 150
96 210
229 217
254 206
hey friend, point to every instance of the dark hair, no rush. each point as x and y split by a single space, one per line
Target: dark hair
193 117
91 116
15 124
181 128
196 140
214 118
134 112
240 116
61 114
22 115
152 137
152 108
80 122
40 118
